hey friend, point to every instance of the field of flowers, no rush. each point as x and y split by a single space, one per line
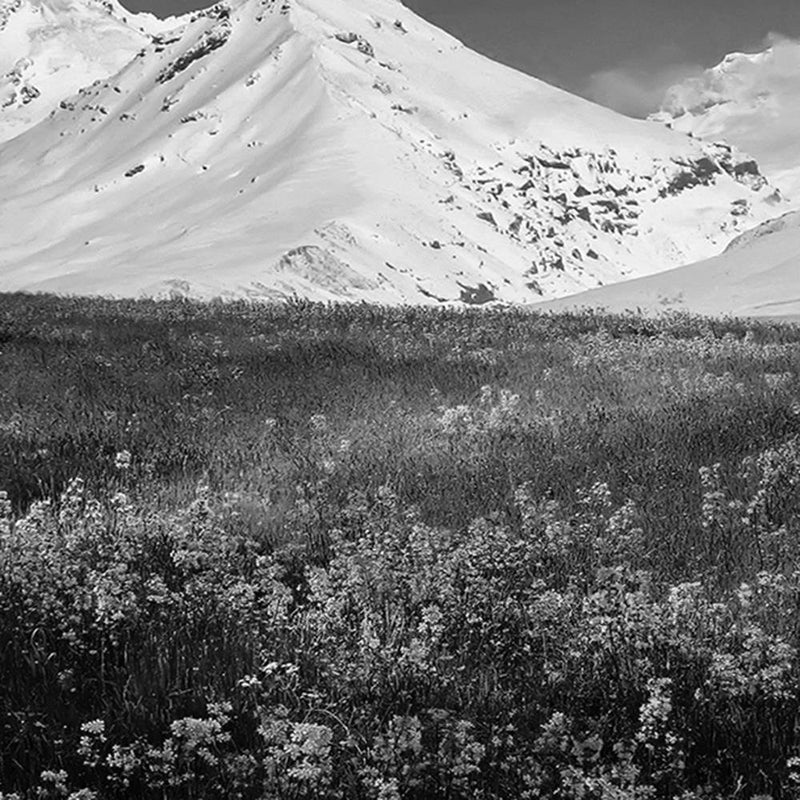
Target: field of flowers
317 551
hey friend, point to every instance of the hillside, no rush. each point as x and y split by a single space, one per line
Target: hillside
757 276
350 150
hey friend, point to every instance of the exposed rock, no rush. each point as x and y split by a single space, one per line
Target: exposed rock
362 45
697 173
210 41
323 269
476 295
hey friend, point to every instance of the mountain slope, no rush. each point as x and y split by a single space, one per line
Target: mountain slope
53 48
347 149
751 101
758 276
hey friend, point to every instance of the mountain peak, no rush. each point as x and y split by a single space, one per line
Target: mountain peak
751 101
52 48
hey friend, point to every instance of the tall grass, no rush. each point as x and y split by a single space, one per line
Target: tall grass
350 551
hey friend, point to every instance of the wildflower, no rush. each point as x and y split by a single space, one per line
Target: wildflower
654 713
72 502
58 779
318 423
199 735
249 682
309 749
455 420
97 727
386 789
793 764
5 513
328 466
120 502
780 380
122 460
157 591
124 762
745 594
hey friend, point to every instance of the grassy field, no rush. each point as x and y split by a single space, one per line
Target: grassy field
358 552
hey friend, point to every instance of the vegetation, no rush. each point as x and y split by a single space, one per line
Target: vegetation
357 552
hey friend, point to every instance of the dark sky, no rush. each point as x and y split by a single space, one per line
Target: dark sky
620 52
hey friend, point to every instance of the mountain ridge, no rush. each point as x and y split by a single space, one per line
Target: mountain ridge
50 49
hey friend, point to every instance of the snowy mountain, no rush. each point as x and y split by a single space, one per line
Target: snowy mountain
757 276
751 101
346 149
52 48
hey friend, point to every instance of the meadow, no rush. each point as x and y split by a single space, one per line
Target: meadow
310 551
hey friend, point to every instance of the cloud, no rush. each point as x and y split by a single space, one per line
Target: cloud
636 90
773 39
767 75
639 89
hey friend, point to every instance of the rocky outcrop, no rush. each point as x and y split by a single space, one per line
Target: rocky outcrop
208 43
